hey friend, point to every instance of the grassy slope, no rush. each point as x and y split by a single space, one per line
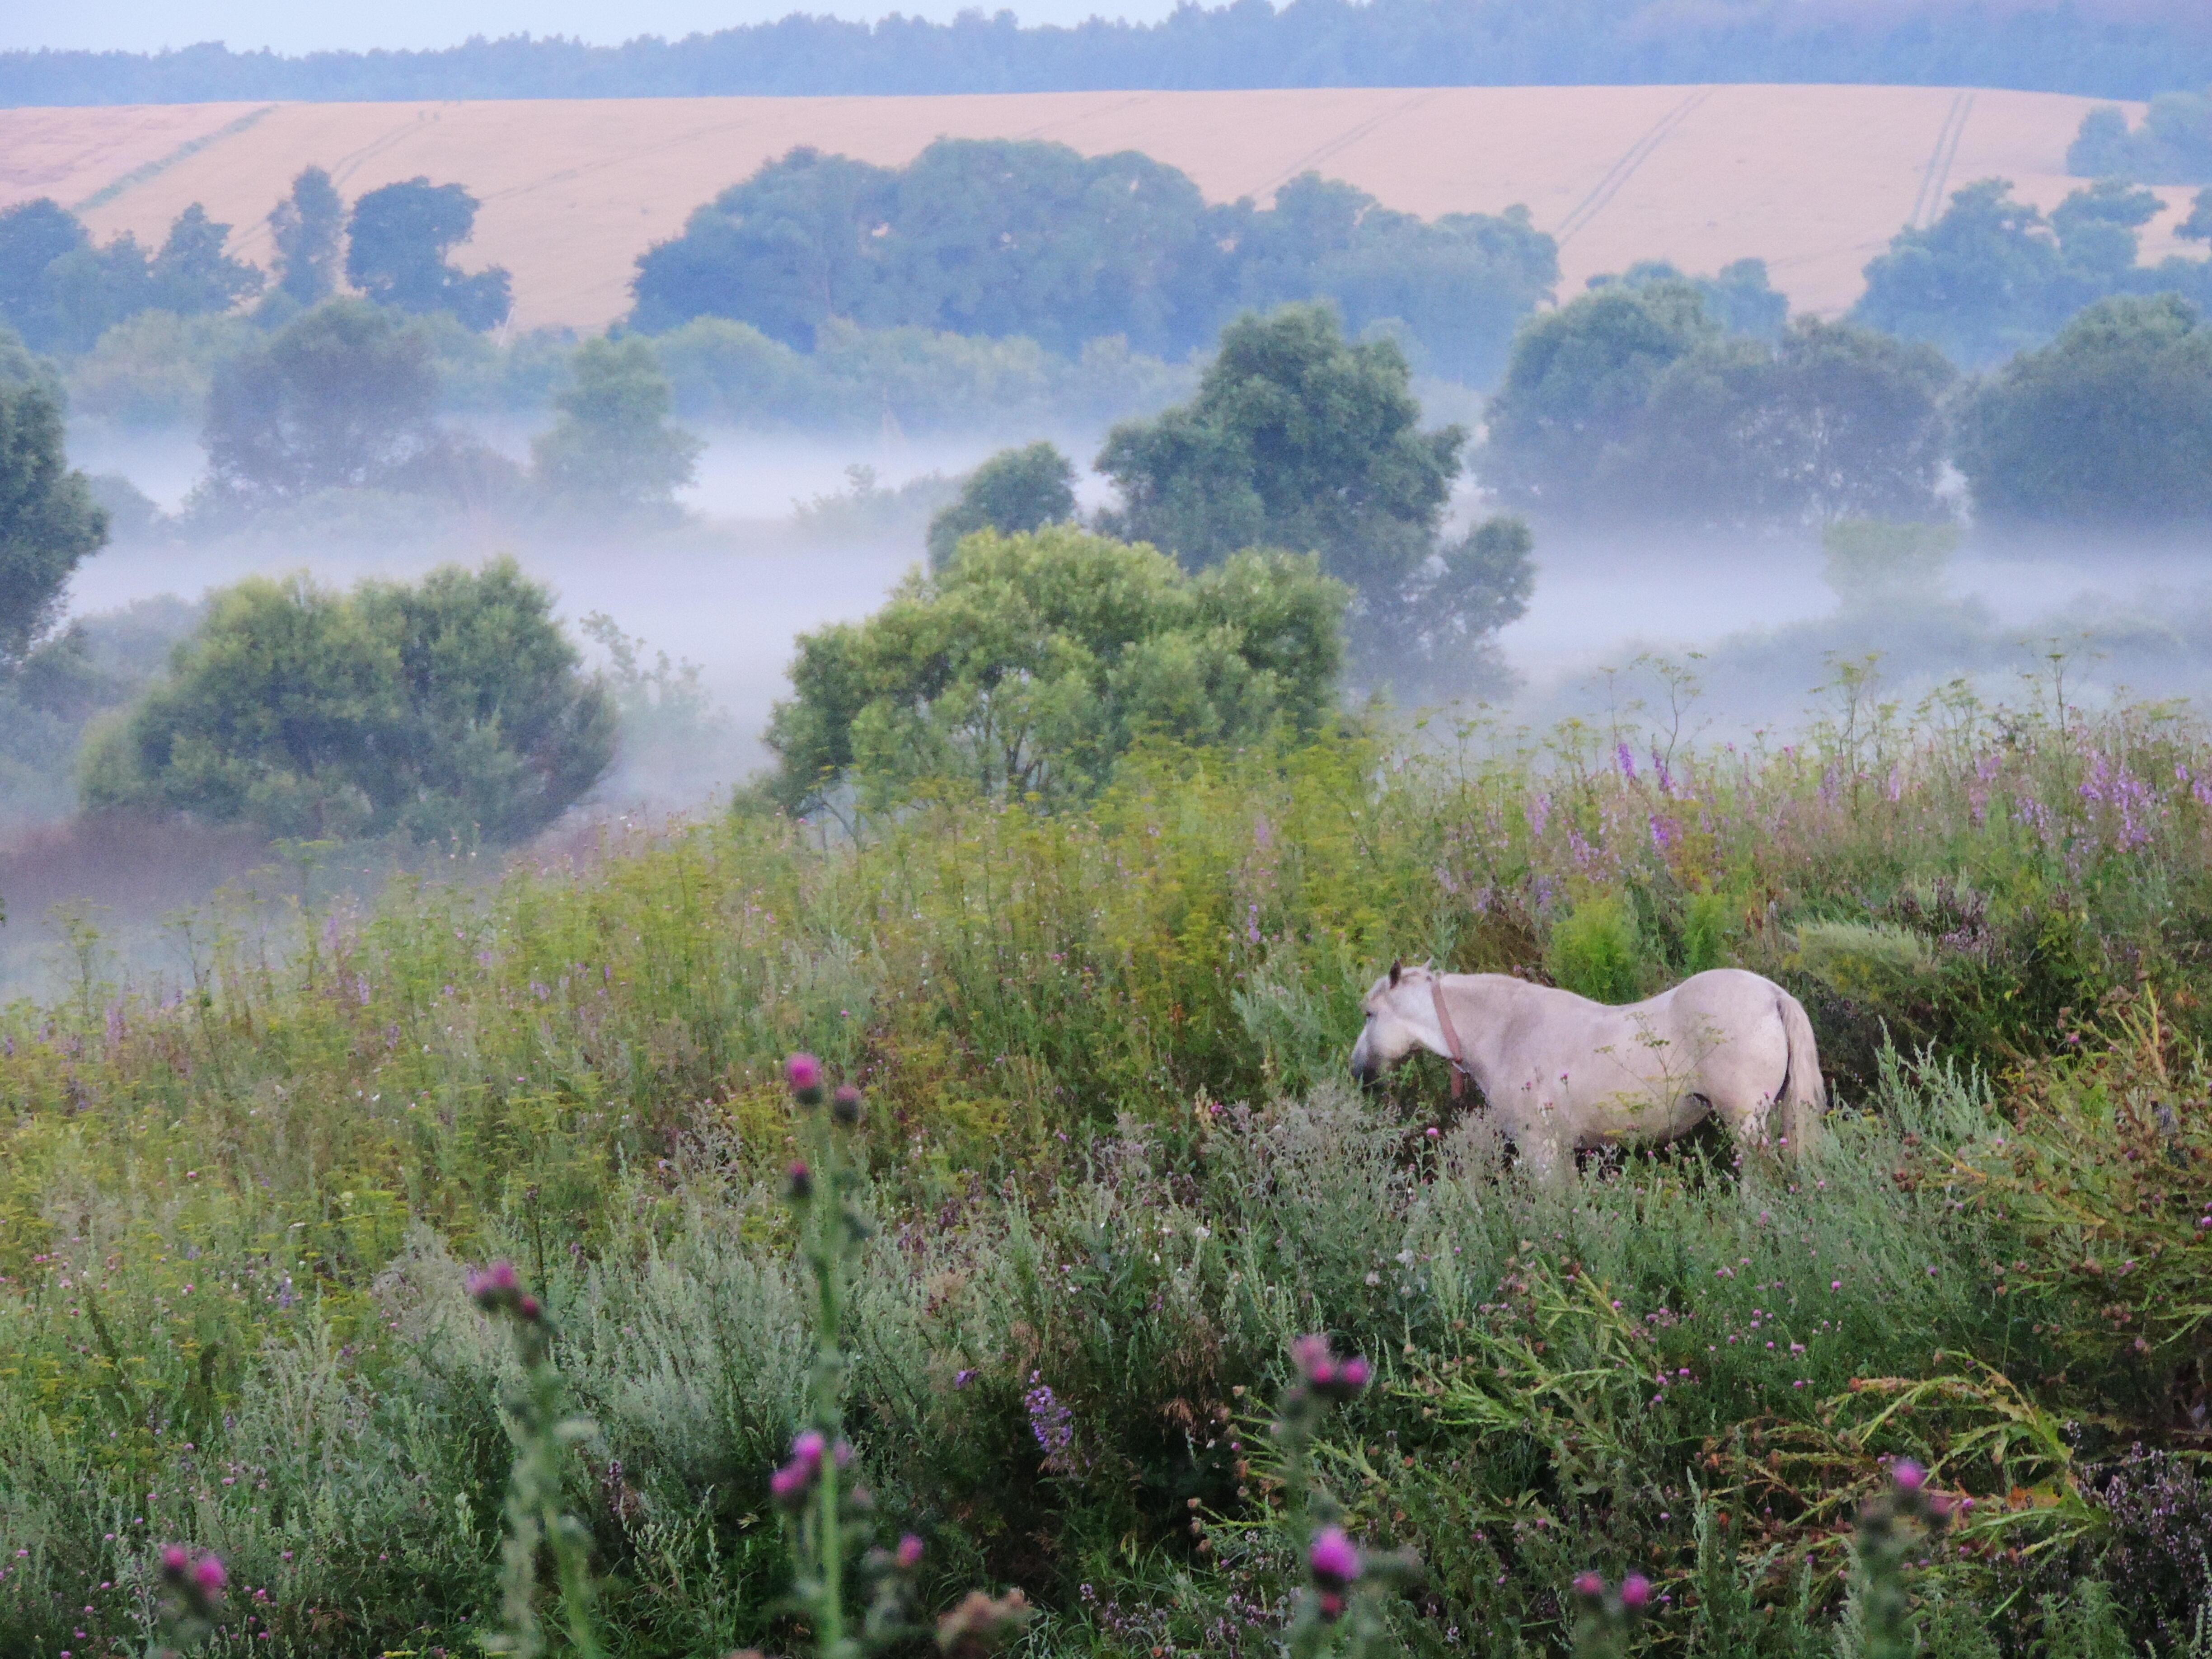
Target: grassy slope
1112 1155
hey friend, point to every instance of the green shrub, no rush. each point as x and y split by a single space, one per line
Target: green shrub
1594 951
1032 662
454 708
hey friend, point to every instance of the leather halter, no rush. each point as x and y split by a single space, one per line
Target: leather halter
1458 1054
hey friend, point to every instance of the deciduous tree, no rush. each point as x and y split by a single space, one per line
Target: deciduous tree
1032 662
455 707
1015 490
48 520
2109 424
396 241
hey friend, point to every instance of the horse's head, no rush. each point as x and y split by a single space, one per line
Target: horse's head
1400 1010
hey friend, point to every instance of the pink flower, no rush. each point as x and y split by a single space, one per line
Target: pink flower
1324 1373
174 1559
1333 1559
1909 1475
808 1448
804 1073
1589 1585
209 1574
495 1286
908 1555
789 1485
1635 1591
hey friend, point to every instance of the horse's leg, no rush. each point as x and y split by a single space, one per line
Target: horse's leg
1547 1152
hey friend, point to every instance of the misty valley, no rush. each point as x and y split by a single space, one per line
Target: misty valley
734 985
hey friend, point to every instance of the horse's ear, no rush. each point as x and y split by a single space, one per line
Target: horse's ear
1397 967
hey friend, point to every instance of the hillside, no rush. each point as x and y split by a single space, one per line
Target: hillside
1814 179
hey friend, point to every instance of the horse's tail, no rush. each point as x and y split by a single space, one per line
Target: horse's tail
1804 1097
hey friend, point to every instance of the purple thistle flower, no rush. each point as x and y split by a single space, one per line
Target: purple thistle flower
1333 1559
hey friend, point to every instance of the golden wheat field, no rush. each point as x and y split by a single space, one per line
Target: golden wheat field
1814 179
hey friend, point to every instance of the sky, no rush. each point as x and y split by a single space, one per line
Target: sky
297 26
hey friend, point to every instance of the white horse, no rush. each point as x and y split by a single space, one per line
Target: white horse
1564 1074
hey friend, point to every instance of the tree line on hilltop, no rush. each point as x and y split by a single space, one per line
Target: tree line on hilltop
1003 237
2098 51
1656 394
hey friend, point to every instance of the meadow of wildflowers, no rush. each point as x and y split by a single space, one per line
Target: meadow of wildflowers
1104 1185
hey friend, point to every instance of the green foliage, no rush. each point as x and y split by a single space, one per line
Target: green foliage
1020 238
1631 402
397 241
576 1065
1738 297
1992 276
48 520
1299 439
1454 287
1875 565
733 374
157 369
1594 950
1015 491
1033 662
613 447
2173 145
96 665
338 398
2112 422
449 710
306 226
61 293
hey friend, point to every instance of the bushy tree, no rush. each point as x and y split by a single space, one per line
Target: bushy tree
2173 145
1993 277
613 447
61 293
1976 284
307 226
1299 439
1457 286
1630 403
34 236
48 520
1032 662
452 707
1577 385
1832 420
339 397
2110 424
1739 296
192 276
396 241
785 251
1015 490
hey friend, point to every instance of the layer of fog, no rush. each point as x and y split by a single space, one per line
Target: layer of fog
1763 622
779 538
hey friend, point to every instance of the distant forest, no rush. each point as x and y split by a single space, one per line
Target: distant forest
2068 48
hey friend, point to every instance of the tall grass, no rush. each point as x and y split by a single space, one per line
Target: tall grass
1117 1177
